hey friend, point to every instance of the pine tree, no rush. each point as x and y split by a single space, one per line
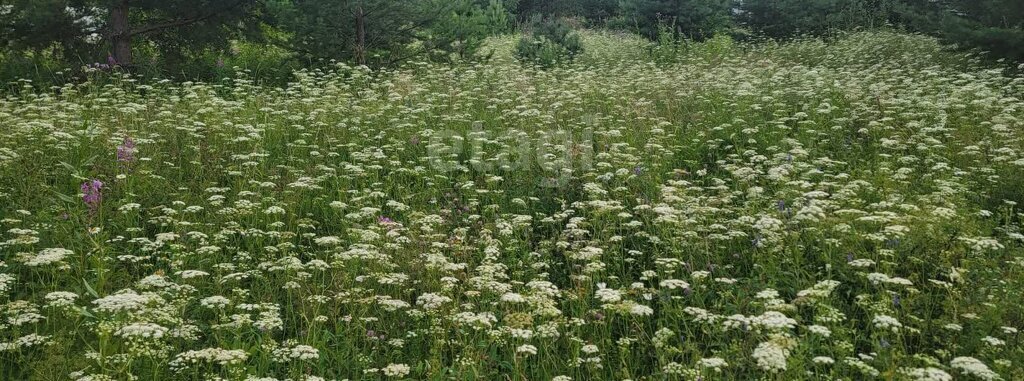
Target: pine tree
90 27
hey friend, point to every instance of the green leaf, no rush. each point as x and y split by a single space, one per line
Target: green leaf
69 167
89 289
64 197
85 312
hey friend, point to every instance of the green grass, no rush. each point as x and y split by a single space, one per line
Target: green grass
778 211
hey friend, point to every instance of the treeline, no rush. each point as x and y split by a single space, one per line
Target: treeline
206 38
993 26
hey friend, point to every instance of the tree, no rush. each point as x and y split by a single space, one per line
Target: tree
192 21
363 31
77 26
386 32
995 26
459 34
693 19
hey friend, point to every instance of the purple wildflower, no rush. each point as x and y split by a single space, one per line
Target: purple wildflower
111 60
92 194
126 151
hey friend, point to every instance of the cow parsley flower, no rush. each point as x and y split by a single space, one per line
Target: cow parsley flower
396 370
771 357
974 367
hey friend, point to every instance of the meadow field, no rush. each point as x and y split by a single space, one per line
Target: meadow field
722 211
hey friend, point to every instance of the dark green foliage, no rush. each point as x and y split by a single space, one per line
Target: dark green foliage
994 26
598 12
690 19
166 35
788 18
198 39
594 12
459 35
549 42
371 32
526 10
45 24
387 32
498 17
217 23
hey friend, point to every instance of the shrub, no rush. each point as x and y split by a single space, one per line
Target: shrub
549 42
667 46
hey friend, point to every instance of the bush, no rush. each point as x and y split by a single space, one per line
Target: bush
549 42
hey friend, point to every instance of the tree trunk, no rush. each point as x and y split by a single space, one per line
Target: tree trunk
120 35
360 36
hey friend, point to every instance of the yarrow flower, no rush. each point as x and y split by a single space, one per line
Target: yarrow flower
396 370
715 363
887 322
641 310
926 374
209 355
607 295
527 349
431 301
974 367
771 357
142 331
48 256
674 284
824 360
60 299
298 352
215 301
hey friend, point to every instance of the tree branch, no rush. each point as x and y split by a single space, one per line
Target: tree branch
423 21
182 22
